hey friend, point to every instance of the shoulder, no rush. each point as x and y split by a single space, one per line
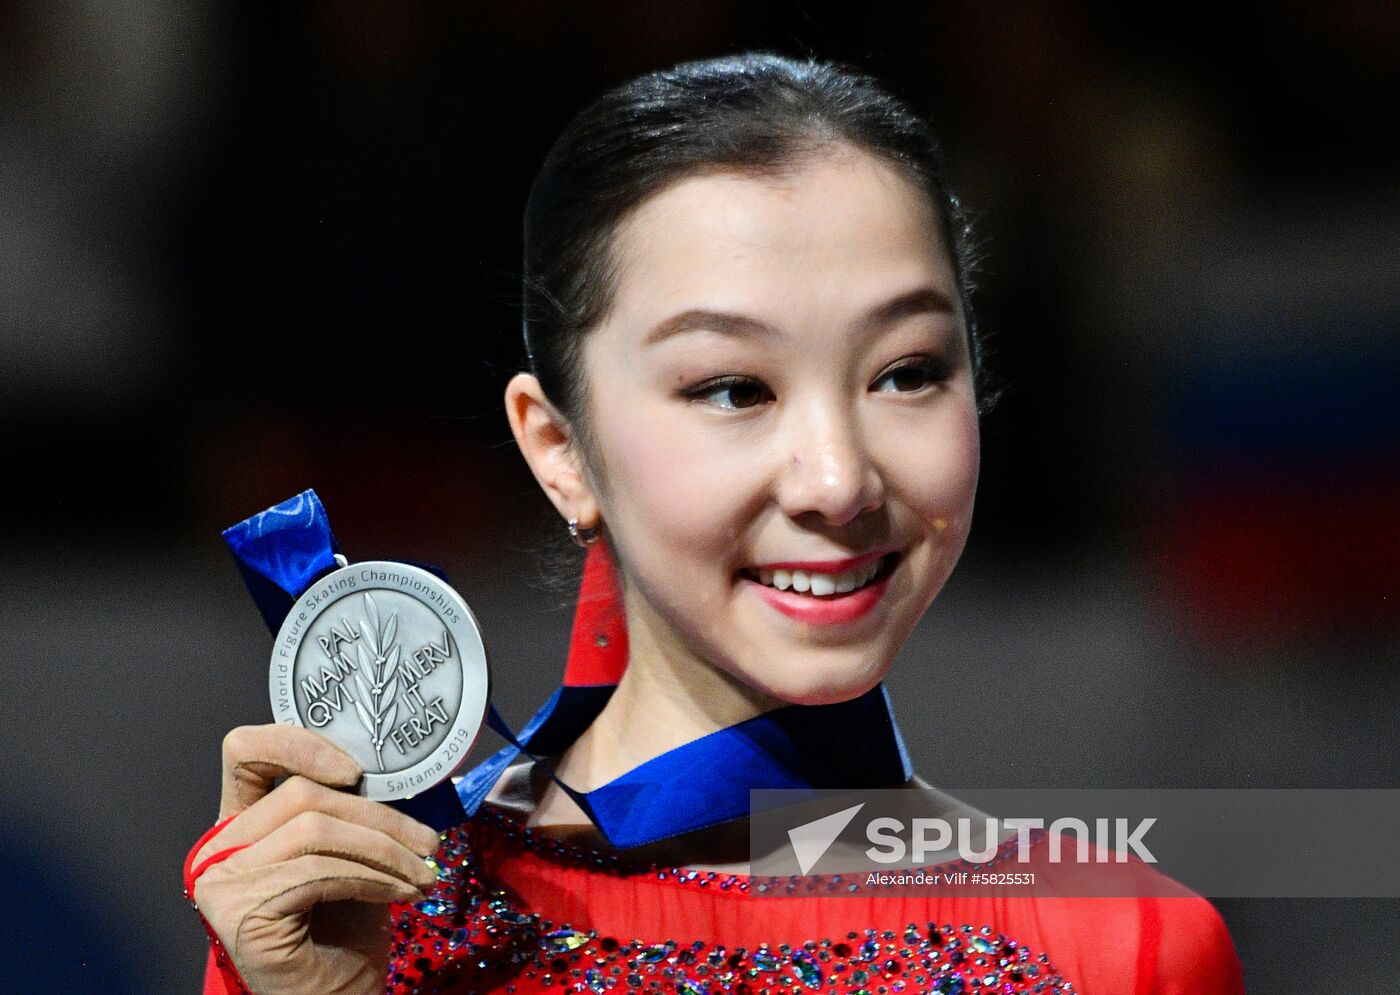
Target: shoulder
1148 945
1126 917
1178 940
1194 952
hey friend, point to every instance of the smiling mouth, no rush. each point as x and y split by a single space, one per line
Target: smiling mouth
824 585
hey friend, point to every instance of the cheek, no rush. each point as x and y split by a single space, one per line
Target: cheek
934 468
670 486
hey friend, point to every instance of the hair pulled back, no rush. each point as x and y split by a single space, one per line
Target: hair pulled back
756 112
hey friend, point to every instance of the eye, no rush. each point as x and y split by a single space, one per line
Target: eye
731 393
911 375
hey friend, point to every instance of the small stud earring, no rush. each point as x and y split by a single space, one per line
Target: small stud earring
584 536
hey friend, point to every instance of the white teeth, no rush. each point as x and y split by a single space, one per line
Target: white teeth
819 584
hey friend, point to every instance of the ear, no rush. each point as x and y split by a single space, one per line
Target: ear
546 441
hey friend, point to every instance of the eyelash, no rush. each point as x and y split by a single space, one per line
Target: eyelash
935 370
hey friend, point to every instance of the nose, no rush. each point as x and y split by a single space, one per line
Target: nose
828 468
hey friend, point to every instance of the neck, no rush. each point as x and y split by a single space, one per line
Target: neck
667 697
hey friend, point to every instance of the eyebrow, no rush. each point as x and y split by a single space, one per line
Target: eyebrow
697 319
924 300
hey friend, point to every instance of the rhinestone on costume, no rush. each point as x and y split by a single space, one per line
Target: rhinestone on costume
950 984
807 970
657 952
436 907
566 939
765 961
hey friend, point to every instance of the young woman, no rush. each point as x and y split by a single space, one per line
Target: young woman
753 392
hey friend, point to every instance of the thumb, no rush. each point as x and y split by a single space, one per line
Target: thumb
255 756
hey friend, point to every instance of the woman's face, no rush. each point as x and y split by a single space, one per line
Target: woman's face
781 402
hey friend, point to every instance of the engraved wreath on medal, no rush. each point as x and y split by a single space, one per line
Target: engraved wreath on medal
378 678
371 657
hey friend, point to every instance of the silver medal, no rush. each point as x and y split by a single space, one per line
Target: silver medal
387 661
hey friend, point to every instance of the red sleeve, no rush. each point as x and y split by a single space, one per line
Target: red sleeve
213 979
220 976
1194 952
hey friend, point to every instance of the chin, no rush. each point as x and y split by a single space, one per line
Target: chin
819 685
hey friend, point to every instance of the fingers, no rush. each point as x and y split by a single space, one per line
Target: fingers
254 756
318 878
298 795
232 895
319 834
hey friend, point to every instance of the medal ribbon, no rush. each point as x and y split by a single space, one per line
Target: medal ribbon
285 549
281 552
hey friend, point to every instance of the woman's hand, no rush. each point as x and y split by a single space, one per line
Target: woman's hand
301 908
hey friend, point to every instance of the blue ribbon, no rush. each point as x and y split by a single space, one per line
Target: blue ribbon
707 781
281 552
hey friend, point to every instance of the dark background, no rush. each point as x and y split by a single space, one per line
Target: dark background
247 249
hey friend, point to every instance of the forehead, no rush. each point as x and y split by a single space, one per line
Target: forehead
841 226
